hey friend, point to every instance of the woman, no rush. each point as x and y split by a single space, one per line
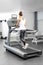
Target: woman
22 27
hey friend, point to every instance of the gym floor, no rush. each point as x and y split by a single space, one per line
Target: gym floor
7 58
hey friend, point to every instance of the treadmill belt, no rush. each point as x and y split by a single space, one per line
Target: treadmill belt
28 50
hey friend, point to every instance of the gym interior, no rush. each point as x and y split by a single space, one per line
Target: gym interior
11 51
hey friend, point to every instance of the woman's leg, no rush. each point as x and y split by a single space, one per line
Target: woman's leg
22 34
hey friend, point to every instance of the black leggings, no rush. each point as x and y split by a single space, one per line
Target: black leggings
22 34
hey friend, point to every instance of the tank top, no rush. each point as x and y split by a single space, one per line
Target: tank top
22 25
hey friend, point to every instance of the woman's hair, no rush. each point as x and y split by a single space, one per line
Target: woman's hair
20 13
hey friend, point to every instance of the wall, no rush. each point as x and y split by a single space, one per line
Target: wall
28 14
40 21
9 5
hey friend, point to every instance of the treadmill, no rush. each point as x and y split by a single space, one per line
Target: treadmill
17 48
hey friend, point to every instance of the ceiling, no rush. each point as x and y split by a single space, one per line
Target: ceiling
30 5
33 5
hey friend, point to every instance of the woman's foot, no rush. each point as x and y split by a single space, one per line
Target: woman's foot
25 46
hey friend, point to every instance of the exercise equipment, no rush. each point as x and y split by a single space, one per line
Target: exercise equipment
17 48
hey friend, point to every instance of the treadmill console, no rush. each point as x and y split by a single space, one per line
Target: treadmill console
12 21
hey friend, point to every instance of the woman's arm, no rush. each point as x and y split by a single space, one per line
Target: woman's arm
17 24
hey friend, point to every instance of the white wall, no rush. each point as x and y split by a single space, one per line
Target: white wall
40 22
9 5
29 15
